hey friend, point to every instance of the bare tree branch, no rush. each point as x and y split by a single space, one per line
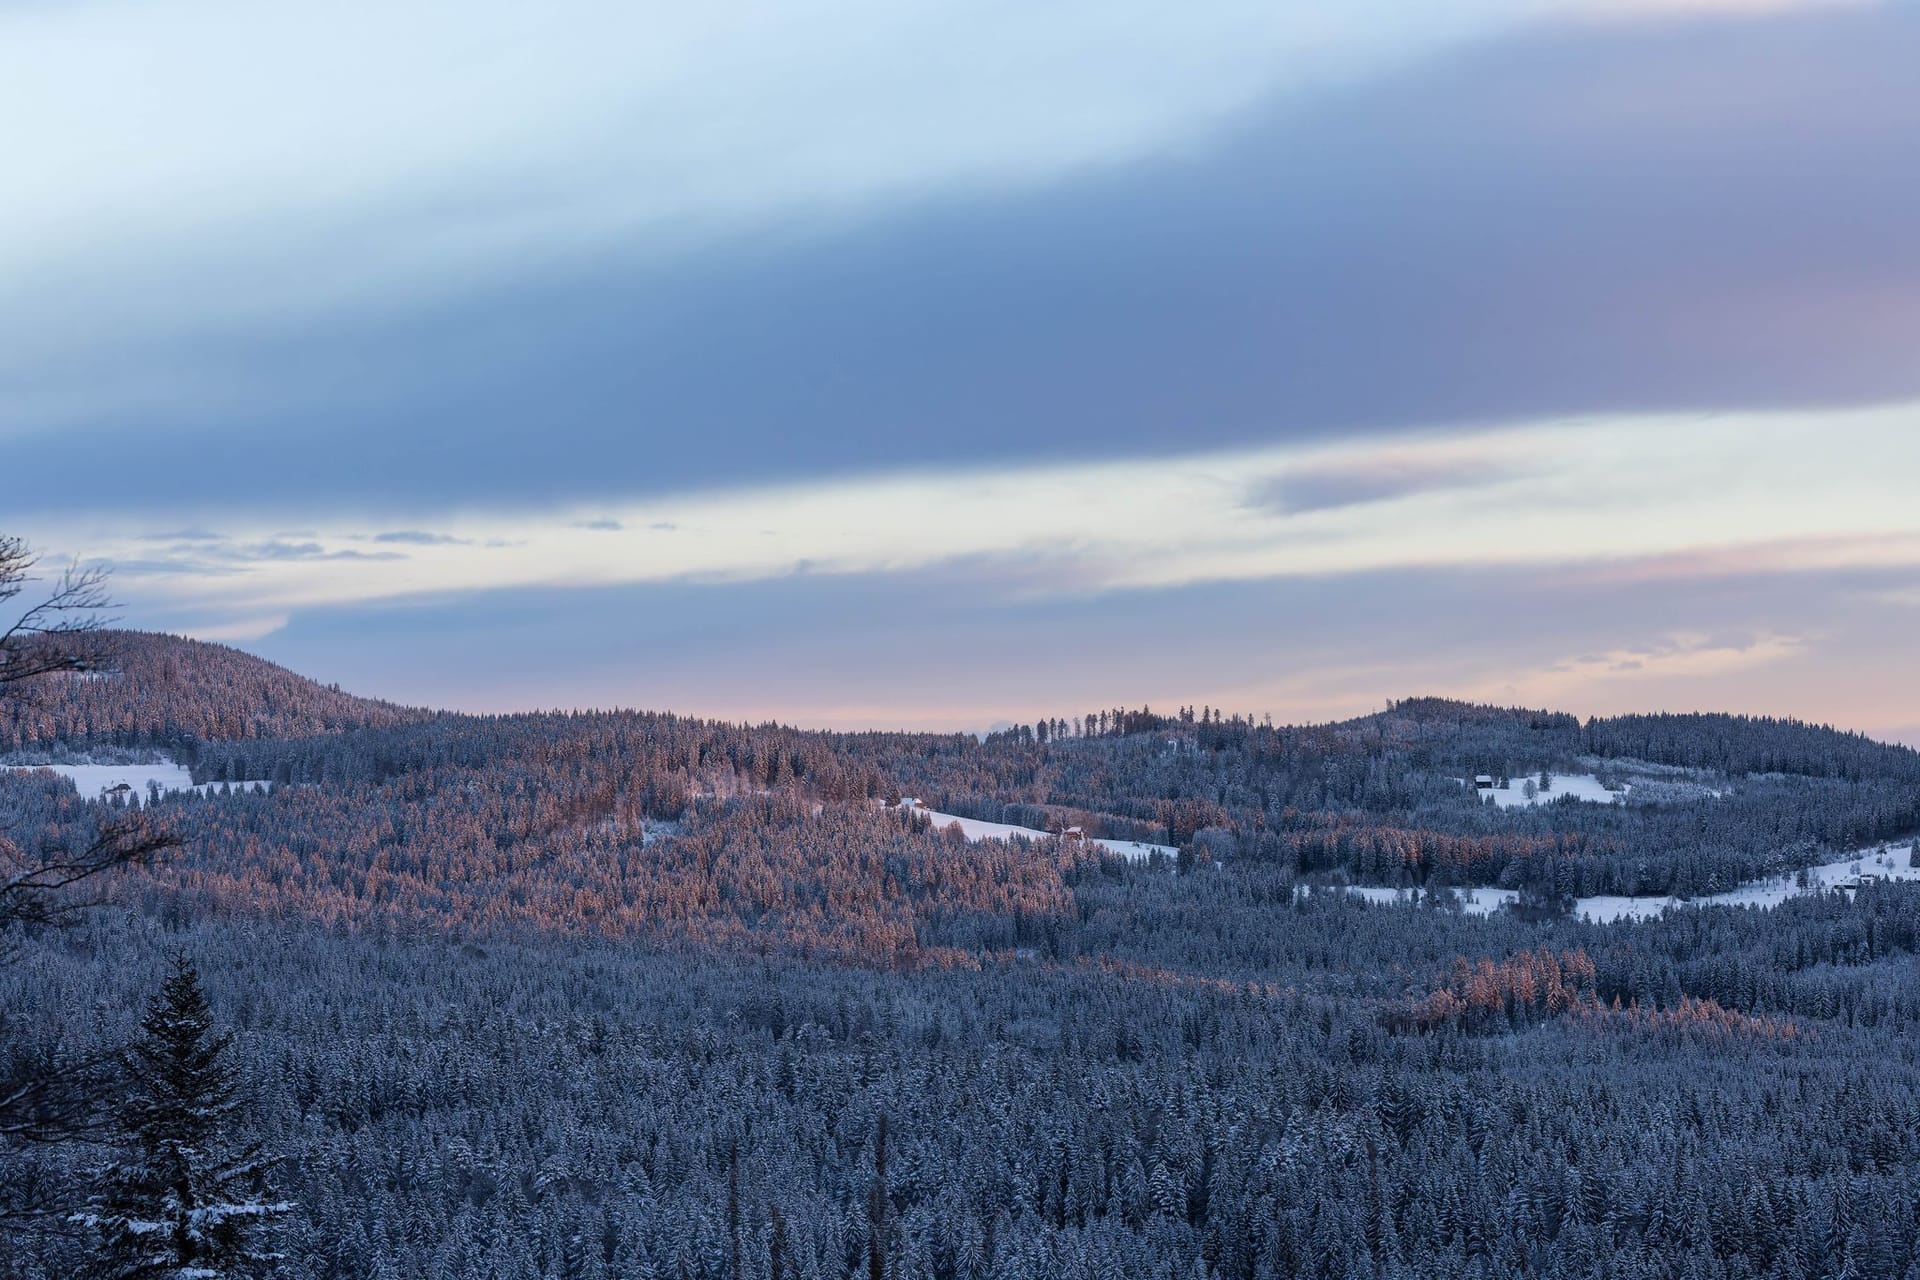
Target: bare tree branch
33 887
60 631
49 1096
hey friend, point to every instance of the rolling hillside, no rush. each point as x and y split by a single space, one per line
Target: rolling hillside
165 690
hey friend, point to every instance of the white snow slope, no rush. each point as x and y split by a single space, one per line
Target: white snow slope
974 829
93 780
1887 862
1477 901
1581 786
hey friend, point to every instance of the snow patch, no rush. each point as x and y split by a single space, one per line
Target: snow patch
1474 901
1882 863
102 781
1886 862
1523 792
976 830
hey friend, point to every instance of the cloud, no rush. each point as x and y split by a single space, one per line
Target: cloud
1811 552
1573 220
1329 486
279 550
1511 336
183 535
947 647
1603 503
555 135
1702 670
175 567
418 538
1682 654
242 630
1640 9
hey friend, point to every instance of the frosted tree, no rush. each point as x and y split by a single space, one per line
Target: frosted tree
187 1201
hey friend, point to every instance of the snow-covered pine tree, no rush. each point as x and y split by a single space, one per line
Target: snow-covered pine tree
186 1201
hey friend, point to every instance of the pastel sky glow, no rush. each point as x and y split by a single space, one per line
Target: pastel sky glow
928 364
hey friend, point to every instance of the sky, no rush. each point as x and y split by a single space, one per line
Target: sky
917 363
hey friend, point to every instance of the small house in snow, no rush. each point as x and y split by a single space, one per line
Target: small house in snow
1483 782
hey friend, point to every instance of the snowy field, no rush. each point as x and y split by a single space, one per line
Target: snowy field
1888 862
1581 786
94 781
973 829
1476 901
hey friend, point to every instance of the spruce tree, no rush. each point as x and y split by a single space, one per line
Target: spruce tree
186 1201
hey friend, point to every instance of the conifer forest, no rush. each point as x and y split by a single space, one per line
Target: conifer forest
576 996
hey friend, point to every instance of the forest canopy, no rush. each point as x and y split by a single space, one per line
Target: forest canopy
628 994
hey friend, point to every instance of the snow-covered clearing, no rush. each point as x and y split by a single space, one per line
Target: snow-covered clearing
974 829
1135 850
1885 862
92 780
97 781
1524 791
1476 901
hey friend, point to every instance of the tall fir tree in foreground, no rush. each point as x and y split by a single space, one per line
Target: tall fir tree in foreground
186 1201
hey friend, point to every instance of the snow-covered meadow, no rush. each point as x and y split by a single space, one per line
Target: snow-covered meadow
1524 791
1887 862
1475 901
1884 862
974 829
99 781
1639 780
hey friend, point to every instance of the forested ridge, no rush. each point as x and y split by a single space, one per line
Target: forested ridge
164 691
625 994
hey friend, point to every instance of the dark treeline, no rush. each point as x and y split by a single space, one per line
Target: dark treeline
1747 744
